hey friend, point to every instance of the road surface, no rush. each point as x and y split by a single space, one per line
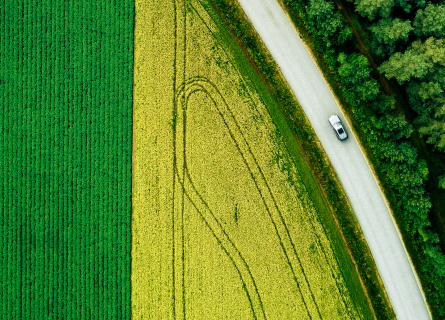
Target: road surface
306 80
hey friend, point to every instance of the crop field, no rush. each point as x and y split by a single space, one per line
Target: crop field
66 70
223 224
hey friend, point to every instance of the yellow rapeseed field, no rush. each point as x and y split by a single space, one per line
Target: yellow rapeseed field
220 229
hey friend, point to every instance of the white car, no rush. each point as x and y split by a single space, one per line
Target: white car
340 131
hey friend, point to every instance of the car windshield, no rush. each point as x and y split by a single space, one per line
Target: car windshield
340 131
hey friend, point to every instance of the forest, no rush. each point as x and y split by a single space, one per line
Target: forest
385 59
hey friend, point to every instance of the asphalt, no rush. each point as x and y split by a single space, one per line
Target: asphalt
347 158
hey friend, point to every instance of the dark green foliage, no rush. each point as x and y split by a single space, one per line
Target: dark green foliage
434 129
66 131
425 91
421 67
430 21
328 22
407 5
442 182
374 8
419 60
383 104
428 99
394 126
388 33
435 255
355 72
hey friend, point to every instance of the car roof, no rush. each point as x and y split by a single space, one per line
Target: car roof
333 119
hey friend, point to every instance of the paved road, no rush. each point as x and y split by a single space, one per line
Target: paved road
367 200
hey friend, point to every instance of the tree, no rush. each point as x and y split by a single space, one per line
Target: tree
426 95
398 152
428 100
356 74
387 33
435 131
442 181
328 22
403 176
439 260
429 90
373 8
420 59
394 126
384 104
430 21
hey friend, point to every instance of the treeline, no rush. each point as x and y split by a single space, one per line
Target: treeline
409 39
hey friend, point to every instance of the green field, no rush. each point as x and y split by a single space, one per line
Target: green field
65 159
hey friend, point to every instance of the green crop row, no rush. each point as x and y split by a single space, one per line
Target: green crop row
65 160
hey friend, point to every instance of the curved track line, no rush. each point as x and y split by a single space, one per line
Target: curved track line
185 171
218 231
204 85
319 243
276 218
